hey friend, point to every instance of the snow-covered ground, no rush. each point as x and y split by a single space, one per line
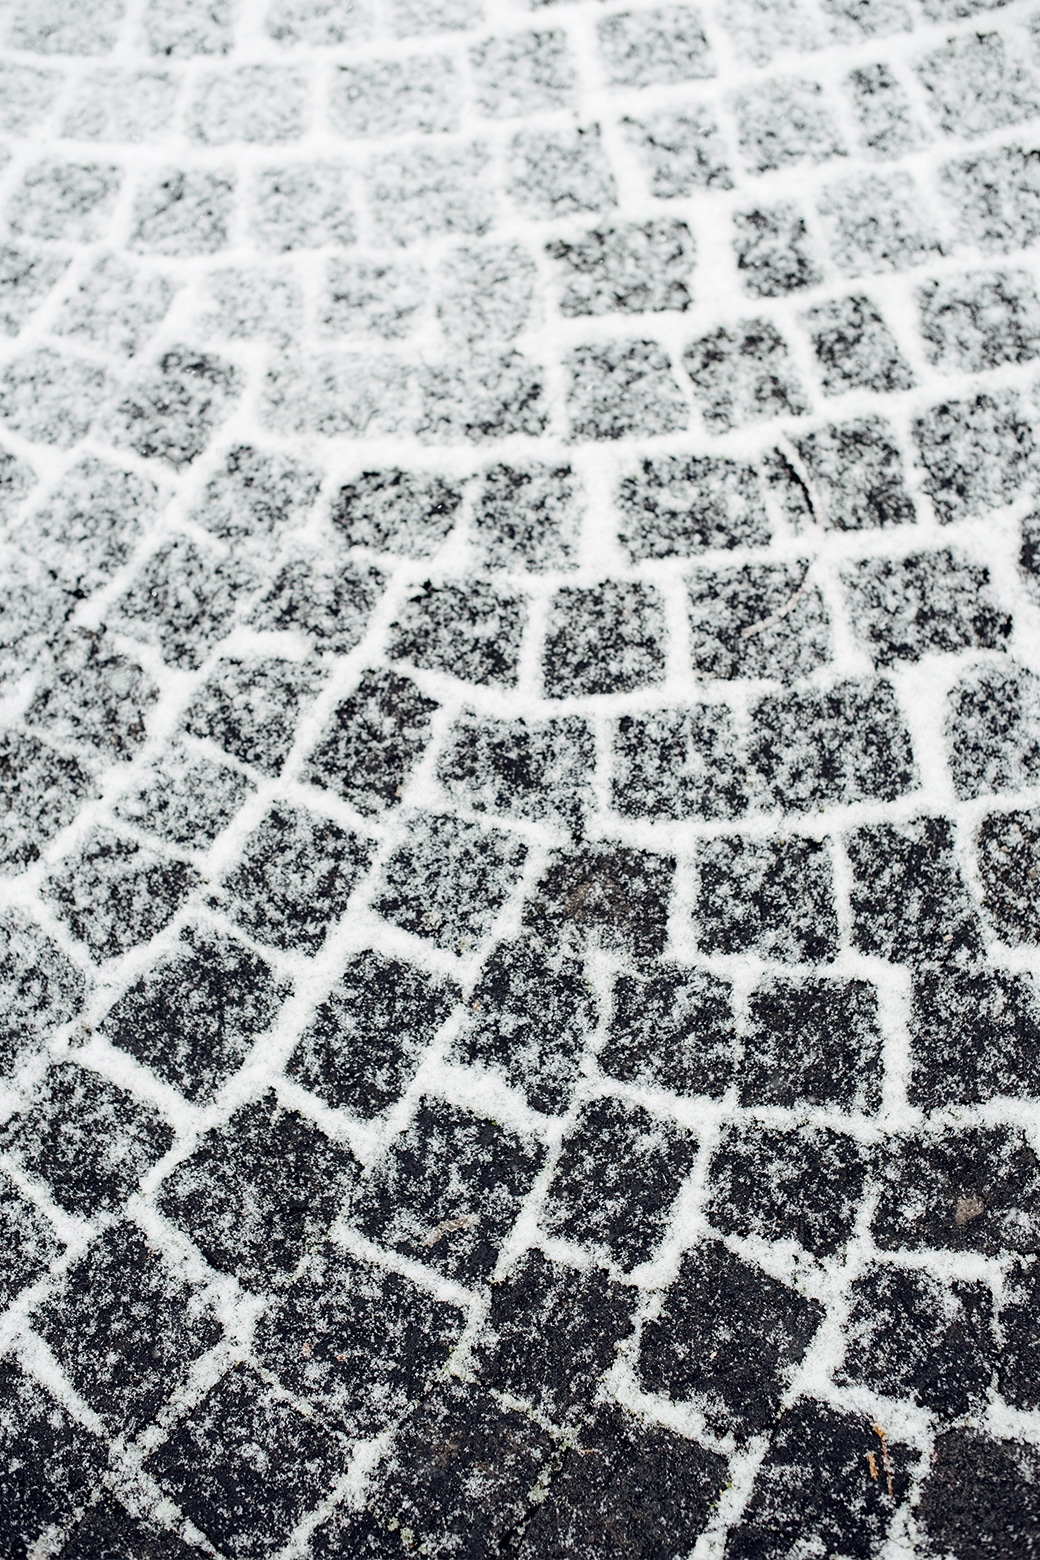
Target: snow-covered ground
520 770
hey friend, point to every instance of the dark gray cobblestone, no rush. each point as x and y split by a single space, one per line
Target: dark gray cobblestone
519 780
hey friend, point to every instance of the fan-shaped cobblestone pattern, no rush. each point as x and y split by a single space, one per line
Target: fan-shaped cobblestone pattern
520 766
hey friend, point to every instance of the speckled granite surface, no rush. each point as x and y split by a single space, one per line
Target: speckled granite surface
519 779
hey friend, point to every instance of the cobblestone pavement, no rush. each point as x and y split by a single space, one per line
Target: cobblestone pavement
520 769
